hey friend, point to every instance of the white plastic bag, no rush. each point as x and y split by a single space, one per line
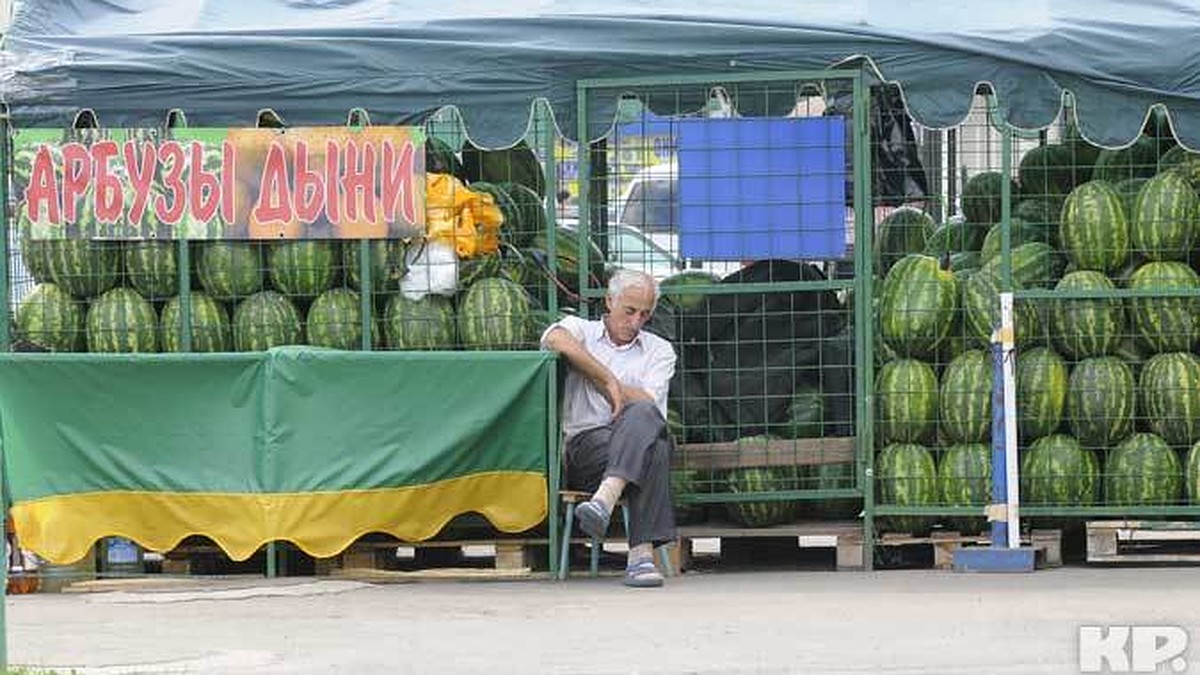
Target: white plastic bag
432 268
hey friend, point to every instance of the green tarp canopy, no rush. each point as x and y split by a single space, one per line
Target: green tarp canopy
221 61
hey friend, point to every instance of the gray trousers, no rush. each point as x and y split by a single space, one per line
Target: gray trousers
636 447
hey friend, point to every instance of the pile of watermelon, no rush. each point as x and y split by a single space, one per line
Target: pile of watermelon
1108 389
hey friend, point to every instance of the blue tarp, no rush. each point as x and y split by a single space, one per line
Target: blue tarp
221 61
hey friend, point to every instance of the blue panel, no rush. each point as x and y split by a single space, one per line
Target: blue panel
762 188
992 559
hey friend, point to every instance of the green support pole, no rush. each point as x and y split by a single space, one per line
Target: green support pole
185 294
366 306
863 316
583 164
545 139
5 345
1006 135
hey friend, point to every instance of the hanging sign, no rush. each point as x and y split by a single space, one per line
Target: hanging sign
300 183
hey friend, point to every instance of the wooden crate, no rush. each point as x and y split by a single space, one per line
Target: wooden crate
1143 541
777 452
844 536
1047 545
507 555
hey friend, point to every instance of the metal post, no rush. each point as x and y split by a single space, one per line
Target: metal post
864 357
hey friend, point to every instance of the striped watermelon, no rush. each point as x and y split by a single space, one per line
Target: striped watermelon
907 476
687 302
916 305
264 320
303 269
1041 393
965 479
1164 225
982 198
1142 470
1166 324
805 414
1139 160
1084 328
981 304
761 480
1058 471
1042 212
494 313
953 236
839 476
1020 232
83 268
1035 264
1129 190
152 267
33 251
531 212
966 397
427 323
687 482
386 260
51 319
209 321
230 270
903 231
1184 161
1094 231
1100 401
335 320
906 395
1046 170
121 321
1191 474
1169 390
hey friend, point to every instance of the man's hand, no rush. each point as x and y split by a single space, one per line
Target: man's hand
631 394
564 343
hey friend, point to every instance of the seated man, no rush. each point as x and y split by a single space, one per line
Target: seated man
614 417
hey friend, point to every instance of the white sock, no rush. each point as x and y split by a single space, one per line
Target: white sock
640 552
609 492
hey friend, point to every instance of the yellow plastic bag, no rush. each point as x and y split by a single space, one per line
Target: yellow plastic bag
468 220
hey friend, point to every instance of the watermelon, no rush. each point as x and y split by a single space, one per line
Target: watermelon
1166 324
966 397
209 321
152 267
1058 471
687 482
1035 264
494 313
954 236
427 323
1041 393
1094 231
303 269
1043 213
121 321
517 164
1083 328
1192 474
839 476
761 480
51 319
1169 391
907 476
805 414
903 231
965 479
81 267
906 397
982 198
230 270
531 213
1020 232
1183 160
1047 171
335 320
1128 190
510 213
1084 153
385 258
1164 225
917 301
1100 401
981 304
1142 470
441 158
687 302
264 320
567 259
33 251
1139 160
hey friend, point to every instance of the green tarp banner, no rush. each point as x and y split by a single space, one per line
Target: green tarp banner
313 446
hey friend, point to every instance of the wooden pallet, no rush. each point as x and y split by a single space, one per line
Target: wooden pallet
510 555
777 452
845 536
1143 541
1047 545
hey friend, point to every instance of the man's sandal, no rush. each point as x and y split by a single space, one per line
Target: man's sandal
593 518
643 574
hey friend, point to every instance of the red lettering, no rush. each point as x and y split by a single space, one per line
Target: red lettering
170 153
77 175
141 174
228 175
204 190
310 187
358 182
398 181
41 195
333 194
109 195
275 191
